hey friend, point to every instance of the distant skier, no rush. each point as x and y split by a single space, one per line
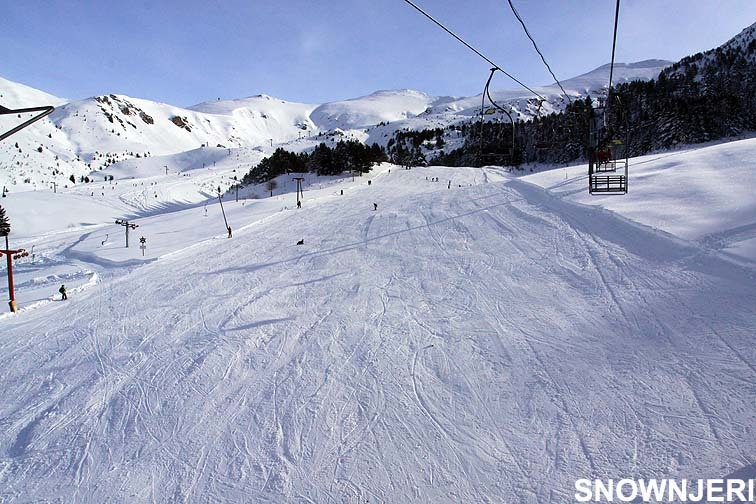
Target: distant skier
299 204
62 291
449 186
342 192
229 231
370 182
301 242
375 206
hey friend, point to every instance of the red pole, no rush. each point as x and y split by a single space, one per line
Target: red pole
12 302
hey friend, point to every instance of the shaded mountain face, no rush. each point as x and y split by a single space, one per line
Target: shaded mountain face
705 97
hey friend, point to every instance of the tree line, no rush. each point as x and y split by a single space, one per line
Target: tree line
704 97
345 156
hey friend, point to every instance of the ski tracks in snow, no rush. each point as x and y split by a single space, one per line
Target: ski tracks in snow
467 345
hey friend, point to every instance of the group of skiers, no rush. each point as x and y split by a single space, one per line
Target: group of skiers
435 179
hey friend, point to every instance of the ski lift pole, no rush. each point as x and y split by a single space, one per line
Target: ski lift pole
10 256
220 200
299 187
127 225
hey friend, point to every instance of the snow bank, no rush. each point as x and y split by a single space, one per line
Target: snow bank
702 194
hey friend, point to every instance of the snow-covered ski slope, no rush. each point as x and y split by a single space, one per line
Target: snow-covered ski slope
491 342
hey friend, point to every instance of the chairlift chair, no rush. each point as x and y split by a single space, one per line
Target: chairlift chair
604 157
494 158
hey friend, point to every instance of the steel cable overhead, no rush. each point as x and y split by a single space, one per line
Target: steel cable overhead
614 45
447 30
517 15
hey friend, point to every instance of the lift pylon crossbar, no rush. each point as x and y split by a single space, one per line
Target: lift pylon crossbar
45 111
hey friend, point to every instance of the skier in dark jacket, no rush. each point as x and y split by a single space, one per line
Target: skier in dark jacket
375 206
62 291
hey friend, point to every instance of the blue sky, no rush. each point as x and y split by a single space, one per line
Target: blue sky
186 52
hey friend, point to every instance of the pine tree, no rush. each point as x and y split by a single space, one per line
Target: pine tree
4 223
321 160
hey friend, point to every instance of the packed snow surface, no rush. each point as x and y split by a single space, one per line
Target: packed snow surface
705 194
476 339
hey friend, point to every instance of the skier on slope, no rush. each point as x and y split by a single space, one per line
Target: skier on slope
375 206
62 291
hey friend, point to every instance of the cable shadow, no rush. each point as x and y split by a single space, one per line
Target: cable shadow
259 323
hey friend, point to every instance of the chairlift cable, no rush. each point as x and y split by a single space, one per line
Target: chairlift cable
519 18
614 45
447 30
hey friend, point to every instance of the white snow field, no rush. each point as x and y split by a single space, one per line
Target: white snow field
492 342
702 193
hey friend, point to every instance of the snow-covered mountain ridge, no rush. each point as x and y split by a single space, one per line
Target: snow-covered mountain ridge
741 45
84 136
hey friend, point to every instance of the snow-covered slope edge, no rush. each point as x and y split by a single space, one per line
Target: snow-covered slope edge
690 193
